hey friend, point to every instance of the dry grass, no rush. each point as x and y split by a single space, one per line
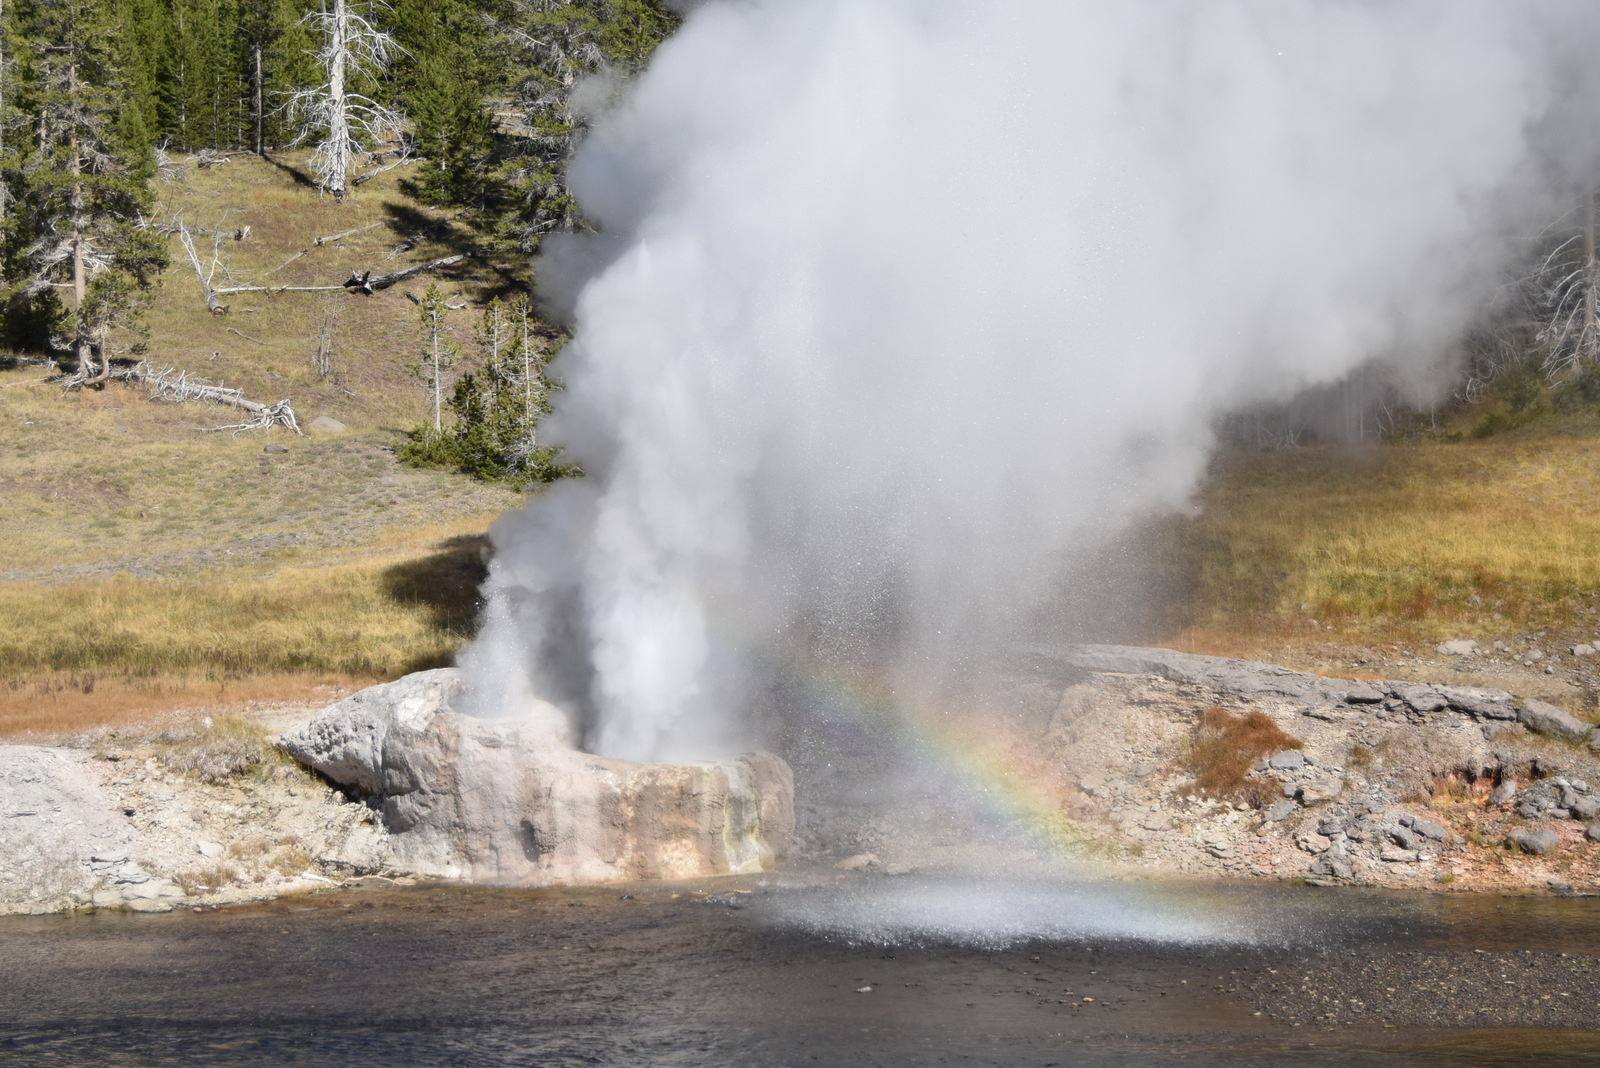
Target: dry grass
98 651
215 750
151 565
1394 542
1226 747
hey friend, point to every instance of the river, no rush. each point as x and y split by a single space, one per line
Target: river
814 970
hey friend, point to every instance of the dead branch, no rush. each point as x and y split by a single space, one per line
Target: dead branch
247 337
339 237
216 306
413 298
368 176
178 387
288 261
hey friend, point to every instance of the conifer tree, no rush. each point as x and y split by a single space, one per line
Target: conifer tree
444 81
85 182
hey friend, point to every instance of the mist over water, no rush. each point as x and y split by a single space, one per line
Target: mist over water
898 304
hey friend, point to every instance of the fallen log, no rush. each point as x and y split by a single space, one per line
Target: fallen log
366 283
178 387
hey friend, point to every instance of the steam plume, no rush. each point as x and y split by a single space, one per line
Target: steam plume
901 301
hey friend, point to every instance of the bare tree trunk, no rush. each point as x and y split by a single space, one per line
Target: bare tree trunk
339 120
4 191
80 336
261 124
1586 339
438 425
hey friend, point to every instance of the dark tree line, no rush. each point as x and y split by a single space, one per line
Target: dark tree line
92 92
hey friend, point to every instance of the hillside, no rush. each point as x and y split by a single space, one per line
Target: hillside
150 561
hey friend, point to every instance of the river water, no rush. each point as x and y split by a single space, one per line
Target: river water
814 970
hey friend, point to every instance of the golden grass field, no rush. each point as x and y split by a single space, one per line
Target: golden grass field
1396 542
150 563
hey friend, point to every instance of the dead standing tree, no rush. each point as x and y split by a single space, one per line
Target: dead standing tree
346 123
1559 294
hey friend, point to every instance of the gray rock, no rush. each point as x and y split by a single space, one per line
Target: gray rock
1545 718
364 851
275 448
131 873
1480 702
1429 830
1223 674
1459 647
1419 698
209 850
509 799
1582 649
1331 865
1594 740
1503 793
1288 760
326 424
1402 837
1585 808
1391 855
1321 788
1592 832
1530 809
1281 810
155 905
54 820
1536 842
1362 693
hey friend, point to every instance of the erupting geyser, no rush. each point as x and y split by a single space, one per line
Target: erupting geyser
896 303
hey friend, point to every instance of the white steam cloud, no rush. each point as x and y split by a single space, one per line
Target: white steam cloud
901 301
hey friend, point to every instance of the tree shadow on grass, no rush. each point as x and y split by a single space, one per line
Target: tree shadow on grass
446 584
300 177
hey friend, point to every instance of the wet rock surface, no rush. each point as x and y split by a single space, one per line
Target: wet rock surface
509 800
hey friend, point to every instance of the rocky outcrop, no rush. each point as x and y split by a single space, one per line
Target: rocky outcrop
58 831
508 800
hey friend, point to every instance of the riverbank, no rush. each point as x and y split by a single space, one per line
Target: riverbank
1111 761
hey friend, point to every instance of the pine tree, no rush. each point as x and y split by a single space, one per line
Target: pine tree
79 222
554 43
445 87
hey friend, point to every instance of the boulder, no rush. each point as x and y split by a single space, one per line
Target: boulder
510 800
1363 693
326 424
1459 647
1288 760
1420 698
1535 842
1545 718
1280 811
1479 701
56 827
